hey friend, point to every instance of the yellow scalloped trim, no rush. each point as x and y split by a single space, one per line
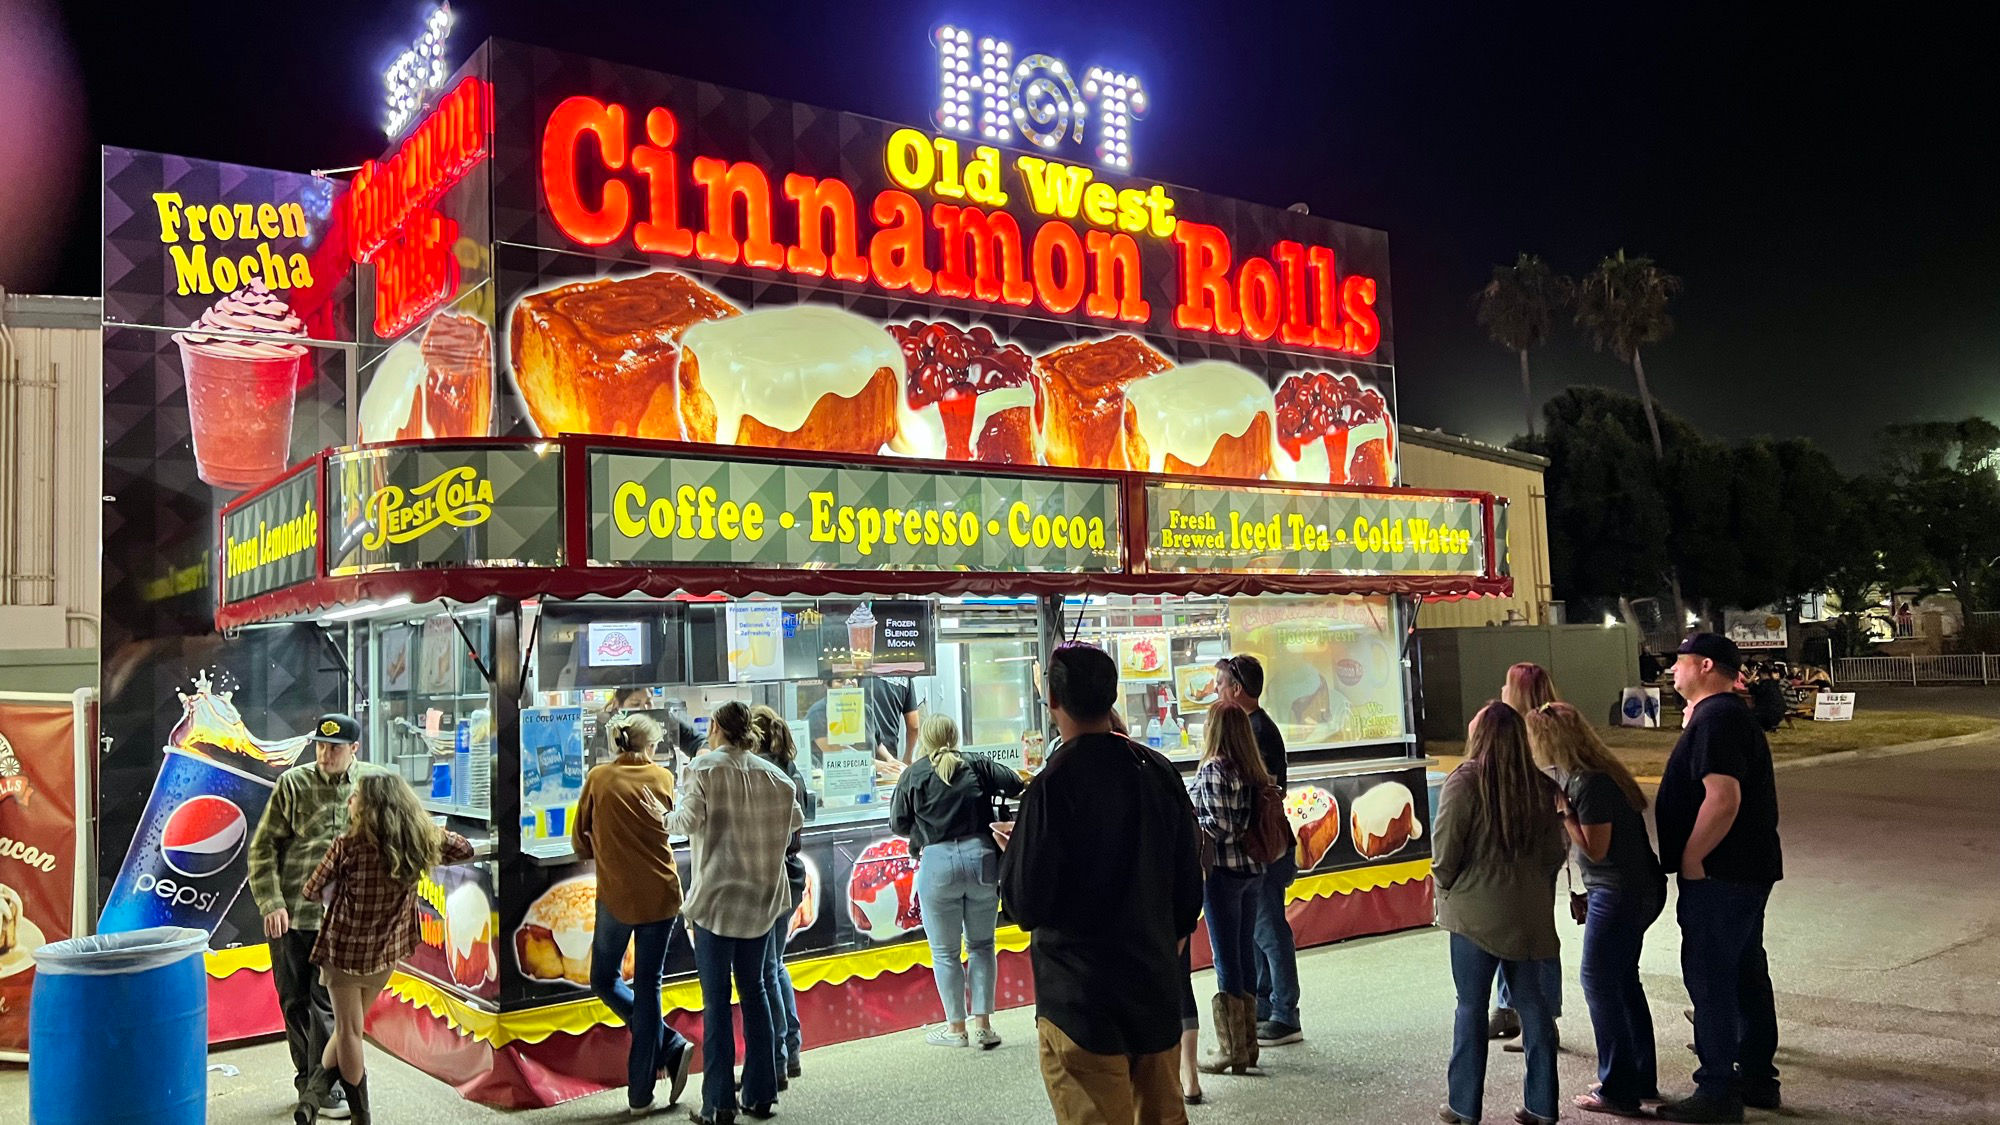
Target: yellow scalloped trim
224 962
578 1016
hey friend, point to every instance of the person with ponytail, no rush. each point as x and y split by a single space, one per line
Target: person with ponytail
740 814
638 900
944 804
776 746
368 882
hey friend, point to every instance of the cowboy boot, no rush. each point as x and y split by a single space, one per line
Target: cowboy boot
313 1095
1228 1051
1246 1026
357 1099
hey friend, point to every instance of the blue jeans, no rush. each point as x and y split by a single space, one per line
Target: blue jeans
1553 1000
1729 980
1277 955
1613 936
782 998
719 961
1472 970
639 1004
1230 908
959 887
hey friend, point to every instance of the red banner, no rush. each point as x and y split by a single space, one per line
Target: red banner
37 845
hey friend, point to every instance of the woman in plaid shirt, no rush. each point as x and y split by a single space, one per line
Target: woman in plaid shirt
369 883
1224 791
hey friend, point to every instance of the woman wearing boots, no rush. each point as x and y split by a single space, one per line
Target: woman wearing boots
369 878
1224 791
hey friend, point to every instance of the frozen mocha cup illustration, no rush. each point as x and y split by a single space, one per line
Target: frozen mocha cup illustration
861 635
242 386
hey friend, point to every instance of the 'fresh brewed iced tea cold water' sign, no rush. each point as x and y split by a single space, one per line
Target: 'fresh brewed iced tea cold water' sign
1201 528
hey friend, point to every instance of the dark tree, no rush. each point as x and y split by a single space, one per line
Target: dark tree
1518 309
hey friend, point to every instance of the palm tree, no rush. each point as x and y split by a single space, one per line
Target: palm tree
1518 309
1623 304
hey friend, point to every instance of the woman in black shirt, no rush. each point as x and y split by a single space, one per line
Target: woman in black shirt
944 804
1607 827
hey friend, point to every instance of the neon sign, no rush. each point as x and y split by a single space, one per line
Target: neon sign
417 72
392 219
1036 98
607 177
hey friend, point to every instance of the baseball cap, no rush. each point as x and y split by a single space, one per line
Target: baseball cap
1715 647
336 728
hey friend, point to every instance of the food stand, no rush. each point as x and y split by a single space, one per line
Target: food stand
653 394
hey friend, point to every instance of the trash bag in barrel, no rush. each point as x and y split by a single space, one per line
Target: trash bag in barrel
118 1030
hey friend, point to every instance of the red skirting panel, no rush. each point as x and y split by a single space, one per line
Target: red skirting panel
243 1005
560 1067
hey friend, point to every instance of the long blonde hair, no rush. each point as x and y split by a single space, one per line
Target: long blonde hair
938 740
1516 798
1528 686
396 824
774 738
1228 736
1561 737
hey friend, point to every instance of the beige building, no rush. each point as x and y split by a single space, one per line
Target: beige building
1434 459
51 450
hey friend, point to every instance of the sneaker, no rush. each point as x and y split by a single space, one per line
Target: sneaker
943 1036
679 1070
794 1067
1699 1107
985 1038
334 1105
1271 1033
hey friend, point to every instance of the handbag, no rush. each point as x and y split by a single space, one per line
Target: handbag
1579 901
1270 834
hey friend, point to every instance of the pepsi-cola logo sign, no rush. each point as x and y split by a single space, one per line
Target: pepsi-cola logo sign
202 836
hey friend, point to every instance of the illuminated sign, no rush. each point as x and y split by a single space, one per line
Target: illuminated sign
392 220
418 71
271 540
187 229
1206 529
609 172
654 509
443 504
1036 98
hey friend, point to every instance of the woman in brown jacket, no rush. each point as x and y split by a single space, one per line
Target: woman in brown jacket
638 901
1497 844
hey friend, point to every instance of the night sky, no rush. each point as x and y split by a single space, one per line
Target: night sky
1822 188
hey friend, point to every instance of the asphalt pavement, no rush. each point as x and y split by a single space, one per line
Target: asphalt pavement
1885 950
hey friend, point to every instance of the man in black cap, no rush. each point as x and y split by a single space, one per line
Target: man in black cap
1717 812
307 812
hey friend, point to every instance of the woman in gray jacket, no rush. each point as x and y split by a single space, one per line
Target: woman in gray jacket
1497 844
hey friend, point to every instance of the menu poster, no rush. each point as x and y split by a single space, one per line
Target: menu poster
1143 656
846 715
455 924
1332 668
38 855
551 754
396 657
884 638
847 777
756 635
1359 819
439 641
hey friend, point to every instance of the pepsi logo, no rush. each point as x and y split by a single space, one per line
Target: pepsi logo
202 836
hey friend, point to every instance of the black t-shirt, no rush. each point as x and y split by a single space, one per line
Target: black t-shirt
1104 872
889 699
1270 745
1629 864
1722 737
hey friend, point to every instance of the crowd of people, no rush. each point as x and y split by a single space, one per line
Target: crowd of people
1110 863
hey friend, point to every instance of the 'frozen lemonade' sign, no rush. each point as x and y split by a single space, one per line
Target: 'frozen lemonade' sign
1198 528
271 540
655 509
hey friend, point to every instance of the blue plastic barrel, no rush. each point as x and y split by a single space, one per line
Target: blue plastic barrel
118 1030
1434 781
